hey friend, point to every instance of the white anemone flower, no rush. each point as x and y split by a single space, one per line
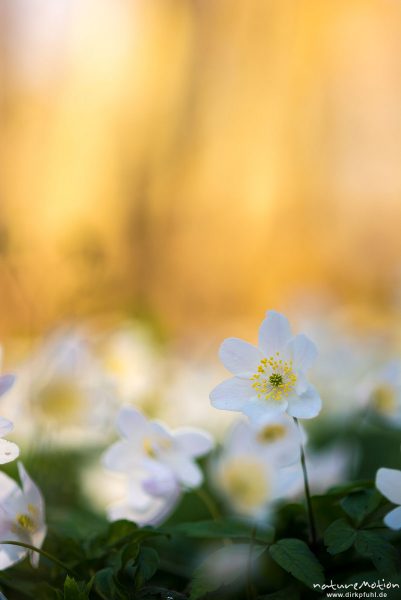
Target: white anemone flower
270 378
148 447
388 482
248 472
22 518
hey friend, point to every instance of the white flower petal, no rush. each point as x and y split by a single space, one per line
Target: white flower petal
388 482
305 406
155 513
131 423
258 410
393 518
137 497
187 471
239 357
5 426
160 486
8 486
10 555
192 441
303 352
32 494
37 540
302 383
274 333
232 394
121 456
8 451
6 383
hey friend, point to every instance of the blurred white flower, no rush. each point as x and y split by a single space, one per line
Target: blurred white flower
123 497
248 471
22 518
158 464
130 358
182 396
270 378
6 383
381 391
62 388
8 450
278 439
388 482
142 507
326 468
162 454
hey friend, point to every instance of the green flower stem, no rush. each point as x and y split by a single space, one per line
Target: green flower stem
39 551
209 503
311 516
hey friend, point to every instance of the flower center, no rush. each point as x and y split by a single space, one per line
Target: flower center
271 433
27 522
274 379
244 481
153 446
148 448
384 399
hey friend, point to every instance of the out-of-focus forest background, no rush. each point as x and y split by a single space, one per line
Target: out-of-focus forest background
198 162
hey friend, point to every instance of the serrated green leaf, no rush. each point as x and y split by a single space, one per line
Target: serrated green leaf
75 590
360 504
224 528
382 554
339 536
211 575
295 557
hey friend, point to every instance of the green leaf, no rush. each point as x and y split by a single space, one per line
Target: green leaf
295 557
339 536
117 534
74 590
224 528
382 554
346 488
105 585
360 504
146 566
222 567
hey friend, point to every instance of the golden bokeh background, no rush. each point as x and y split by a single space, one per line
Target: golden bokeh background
197 161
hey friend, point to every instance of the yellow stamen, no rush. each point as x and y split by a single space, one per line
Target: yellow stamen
271 433
274 379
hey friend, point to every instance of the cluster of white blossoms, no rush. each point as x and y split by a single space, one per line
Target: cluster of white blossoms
21 509
257 464
158 464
